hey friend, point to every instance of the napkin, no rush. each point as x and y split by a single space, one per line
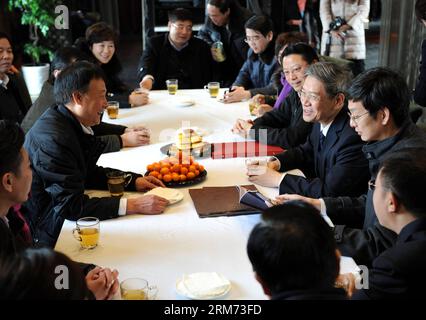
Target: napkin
204 285
172 195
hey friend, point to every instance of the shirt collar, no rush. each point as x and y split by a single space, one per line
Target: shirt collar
87 130
5 220
176 48
324 129
4 81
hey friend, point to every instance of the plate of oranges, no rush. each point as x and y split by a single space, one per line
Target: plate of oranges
178 171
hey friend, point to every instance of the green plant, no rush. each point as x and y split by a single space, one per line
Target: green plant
39 15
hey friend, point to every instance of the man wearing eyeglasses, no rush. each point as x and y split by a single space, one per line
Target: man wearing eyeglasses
176 55
379 110
331 158
255 75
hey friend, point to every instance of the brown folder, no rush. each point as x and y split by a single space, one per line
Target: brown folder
220 201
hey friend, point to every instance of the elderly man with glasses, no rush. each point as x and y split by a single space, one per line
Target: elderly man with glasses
331 158
378 108
176 55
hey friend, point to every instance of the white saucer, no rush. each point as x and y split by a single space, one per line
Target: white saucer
172 195
203 286
182 101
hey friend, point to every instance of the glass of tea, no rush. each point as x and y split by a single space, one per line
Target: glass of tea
213 88
112 109
87 232
137 289
117 181
172 86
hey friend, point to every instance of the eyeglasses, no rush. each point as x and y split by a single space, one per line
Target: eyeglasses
371 185
180 27
251 39
355 118
309 96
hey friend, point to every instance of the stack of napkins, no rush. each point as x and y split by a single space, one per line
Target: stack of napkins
172 195
203 285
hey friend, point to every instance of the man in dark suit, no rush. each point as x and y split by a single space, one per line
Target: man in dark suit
176 55
399 272
379 101
331 158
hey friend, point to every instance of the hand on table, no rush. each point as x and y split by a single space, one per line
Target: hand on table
261 109
264 175
102 282
237 94
242 127
148 204
137 99
134 137
146 83
147 183
289 197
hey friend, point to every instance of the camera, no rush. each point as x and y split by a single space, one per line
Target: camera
337 23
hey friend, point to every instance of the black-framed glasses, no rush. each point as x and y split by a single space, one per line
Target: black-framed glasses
371 185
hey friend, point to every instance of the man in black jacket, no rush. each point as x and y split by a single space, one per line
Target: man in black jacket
64 152
294 255
115 136
224 23
284 126
378 102
176 55
331 158
15 234
399 201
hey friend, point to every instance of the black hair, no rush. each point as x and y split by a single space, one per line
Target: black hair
5 36
100 32
224 5
180 14
421 10
404 174
287 38
62 58
262 24
293 248
41 274
382 87
305 50
11 142
75 77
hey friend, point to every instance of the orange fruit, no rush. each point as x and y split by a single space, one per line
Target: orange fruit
183 170
197 172
176 168
182 177
150 167
164 170
154 174
196 165
160 176
175 176
201 168
191 168
167 178
190 175
157 166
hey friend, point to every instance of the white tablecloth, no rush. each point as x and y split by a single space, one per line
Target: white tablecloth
161 248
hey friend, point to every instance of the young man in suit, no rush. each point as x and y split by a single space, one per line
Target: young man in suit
331 158
176 55
398 198
294 255
379 102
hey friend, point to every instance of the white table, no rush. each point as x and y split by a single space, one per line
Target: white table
161 248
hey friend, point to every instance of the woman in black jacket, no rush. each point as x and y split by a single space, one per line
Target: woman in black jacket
100 45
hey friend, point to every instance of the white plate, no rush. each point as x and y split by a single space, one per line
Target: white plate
172 195
181 101
203 286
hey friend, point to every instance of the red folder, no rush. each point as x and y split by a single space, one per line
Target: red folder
244 149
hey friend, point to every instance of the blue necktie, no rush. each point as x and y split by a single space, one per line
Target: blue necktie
321 142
